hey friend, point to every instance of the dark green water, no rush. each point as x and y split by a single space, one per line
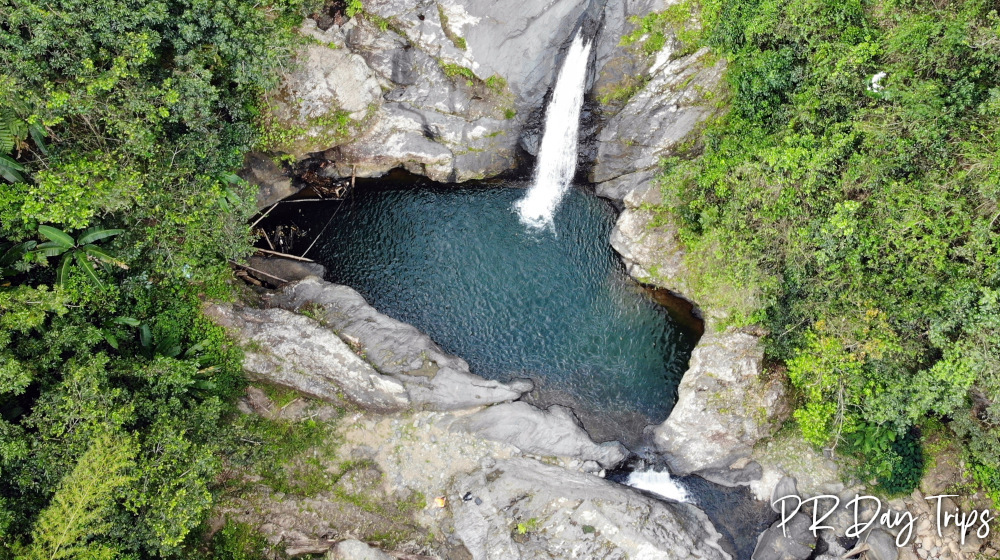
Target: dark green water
554 306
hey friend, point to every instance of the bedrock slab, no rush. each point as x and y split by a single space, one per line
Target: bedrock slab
552 432
433 378
293 351
725 405
520 508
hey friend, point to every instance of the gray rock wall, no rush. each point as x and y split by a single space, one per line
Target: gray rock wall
446 89
725 405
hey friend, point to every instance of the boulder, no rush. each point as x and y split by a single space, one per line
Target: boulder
520 508
433 378
725 405
552 432
794 541
294 351
352 549
273 183
784 488
329 95
881 545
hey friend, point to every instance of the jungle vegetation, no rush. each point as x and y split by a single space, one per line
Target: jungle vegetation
121 124
848 200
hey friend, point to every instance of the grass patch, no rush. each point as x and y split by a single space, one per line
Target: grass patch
458 71
455 38
287 455
496 83
620 92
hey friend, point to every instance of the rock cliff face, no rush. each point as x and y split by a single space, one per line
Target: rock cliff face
454 89
725 406
659 118
442 89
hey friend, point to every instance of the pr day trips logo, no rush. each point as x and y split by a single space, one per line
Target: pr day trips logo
975 520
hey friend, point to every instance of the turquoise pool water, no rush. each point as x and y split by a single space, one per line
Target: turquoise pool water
553 305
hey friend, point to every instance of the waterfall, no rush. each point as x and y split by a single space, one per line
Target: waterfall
557 154
658 482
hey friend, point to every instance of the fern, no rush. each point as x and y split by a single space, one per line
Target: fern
13 130
79 508
6 135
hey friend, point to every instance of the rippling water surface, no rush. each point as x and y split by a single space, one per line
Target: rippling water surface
553 305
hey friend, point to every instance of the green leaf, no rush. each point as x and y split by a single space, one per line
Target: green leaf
6 136
13 253
63 271
56 236
50 249
10 169
195 349
112 339
204 385
100 254
127 321
88 268
38 135
146 337
96 234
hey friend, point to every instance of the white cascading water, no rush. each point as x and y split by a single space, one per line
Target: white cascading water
660 483
557 154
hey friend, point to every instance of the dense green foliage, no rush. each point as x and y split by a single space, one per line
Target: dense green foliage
121 123
848 201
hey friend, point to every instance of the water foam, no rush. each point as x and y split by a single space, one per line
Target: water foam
659 482
557 154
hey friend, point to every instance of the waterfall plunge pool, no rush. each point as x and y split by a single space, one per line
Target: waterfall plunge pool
553 305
